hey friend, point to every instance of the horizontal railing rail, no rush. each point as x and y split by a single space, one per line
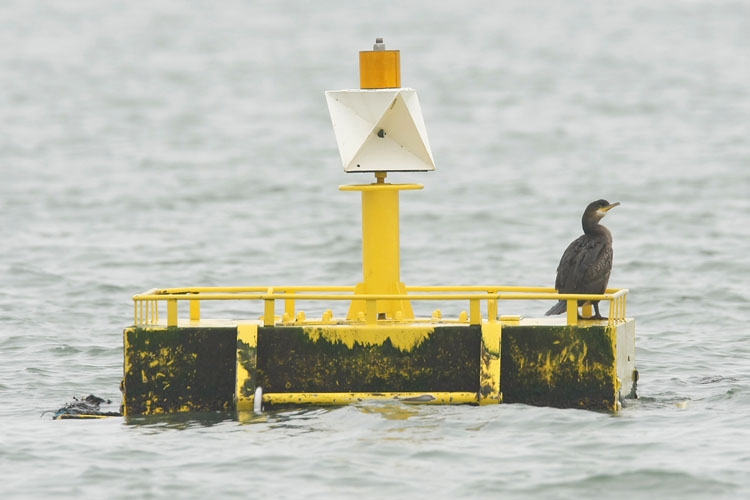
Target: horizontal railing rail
146 305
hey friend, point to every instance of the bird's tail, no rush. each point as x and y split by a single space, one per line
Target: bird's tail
558 308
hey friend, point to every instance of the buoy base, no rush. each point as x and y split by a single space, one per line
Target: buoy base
213 365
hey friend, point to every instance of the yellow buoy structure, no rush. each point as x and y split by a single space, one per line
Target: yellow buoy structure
177 360
379 128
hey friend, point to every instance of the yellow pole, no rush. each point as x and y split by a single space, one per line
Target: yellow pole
381 252
381 264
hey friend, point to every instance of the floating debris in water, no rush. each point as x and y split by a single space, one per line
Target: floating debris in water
88 407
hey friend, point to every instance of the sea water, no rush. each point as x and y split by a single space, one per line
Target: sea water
188 143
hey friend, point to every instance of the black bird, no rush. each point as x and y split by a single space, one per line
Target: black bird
587 262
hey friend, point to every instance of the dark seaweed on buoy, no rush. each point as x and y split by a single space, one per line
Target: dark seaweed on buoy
88 407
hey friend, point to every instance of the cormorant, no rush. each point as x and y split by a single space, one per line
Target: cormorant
587 262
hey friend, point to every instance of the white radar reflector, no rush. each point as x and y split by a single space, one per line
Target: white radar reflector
380 130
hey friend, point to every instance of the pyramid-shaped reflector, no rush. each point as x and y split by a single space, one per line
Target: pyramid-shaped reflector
380 130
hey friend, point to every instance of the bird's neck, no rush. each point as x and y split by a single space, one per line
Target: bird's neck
595 229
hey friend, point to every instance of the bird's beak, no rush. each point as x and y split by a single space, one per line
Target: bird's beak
610 207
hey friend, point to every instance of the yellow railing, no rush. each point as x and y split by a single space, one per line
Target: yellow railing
146 305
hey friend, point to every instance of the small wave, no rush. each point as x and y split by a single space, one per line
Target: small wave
713 379
641 483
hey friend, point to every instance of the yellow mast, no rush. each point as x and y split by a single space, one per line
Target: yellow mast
381 259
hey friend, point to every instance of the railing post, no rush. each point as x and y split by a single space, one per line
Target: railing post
289 304
572 306
269 316
492 310
195 310
587 310
475 312
172 312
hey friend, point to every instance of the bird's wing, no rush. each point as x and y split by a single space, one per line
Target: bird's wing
584 267
567 269
597 266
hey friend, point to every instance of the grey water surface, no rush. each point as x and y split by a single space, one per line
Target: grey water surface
185 143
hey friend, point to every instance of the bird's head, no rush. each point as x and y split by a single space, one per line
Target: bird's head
599 208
